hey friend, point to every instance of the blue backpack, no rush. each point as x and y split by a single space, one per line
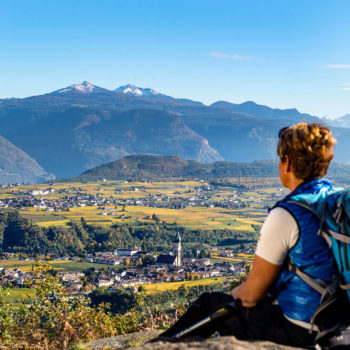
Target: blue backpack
333 211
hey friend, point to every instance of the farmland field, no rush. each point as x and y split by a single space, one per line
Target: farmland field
16 294
123 210
59 265
194 218
161 287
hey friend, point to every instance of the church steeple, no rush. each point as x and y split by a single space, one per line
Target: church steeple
177 250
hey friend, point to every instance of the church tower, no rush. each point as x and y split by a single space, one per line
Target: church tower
177 250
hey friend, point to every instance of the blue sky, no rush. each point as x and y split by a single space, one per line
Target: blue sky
281 53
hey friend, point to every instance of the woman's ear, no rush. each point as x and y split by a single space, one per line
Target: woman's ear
287 165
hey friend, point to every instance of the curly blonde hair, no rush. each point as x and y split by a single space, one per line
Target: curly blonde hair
309 148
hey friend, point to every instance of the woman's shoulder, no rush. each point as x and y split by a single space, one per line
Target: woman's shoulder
277 236
280 216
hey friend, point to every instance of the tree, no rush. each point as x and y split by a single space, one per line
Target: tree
203 254
155 218
58 321
141 289
148 260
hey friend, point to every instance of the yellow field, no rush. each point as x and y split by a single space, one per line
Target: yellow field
10 262
53 223
246 256
190 217
8 195
26 265
161 287
238 260
240 257
59 265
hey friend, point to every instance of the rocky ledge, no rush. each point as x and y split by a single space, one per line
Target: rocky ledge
138 341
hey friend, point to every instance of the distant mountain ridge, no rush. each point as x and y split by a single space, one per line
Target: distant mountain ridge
341 122
254 109
83 125
71 141
145 167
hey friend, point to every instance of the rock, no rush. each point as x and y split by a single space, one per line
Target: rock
137 341
123 341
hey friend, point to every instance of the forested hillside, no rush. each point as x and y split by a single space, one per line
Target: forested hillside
144 167
18 234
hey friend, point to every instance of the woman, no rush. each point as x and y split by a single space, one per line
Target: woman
277 305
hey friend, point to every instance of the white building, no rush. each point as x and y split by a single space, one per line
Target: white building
127 252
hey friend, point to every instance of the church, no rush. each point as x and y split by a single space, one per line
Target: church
173 259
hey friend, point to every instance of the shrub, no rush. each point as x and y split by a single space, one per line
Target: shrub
56 320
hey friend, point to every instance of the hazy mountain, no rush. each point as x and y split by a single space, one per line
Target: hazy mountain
83 125
71 141
143 131
17 167
143 167
342 122
261 111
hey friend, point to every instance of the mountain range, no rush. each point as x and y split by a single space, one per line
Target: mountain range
83 126
342 122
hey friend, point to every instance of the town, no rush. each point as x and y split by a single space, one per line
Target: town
188 203
76 197
130 268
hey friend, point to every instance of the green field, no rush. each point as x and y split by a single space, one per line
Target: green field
59 265
18 294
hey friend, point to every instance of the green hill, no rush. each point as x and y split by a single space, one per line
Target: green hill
143 167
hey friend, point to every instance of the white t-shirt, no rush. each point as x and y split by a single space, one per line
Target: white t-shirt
278 235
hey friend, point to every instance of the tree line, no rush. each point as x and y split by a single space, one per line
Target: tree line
19 235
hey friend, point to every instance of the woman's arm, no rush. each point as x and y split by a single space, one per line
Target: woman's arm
257 284
278 235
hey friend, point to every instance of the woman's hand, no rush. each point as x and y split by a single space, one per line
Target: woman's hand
257 284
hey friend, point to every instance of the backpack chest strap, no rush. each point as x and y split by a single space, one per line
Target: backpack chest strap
338 236
320 286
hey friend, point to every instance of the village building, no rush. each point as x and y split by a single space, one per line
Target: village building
127 252
172 259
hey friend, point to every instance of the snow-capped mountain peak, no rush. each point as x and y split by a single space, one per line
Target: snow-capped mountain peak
131 89
84 88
